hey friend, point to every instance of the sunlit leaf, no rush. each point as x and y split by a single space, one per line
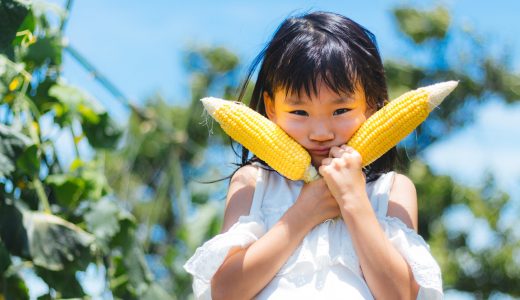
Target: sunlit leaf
67 94
74 103
89 115
12 145
55 243
103 219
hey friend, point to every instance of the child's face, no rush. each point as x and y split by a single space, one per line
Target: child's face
318 122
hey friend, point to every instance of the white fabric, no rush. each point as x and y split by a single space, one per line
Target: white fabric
325 264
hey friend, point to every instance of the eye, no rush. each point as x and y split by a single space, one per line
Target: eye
299 112
341 111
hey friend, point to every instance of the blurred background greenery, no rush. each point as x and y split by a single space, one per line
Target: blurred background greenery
118 216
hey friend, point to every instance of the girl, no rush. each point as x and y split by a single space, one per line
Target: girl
352 233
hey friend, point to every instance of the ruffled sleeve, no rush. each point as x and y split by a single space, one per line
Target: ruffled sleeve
208 257
408 243
416 252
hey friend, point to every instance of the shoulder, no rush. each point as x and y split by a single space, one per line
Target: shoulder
244 177
402 202
240 195
245 174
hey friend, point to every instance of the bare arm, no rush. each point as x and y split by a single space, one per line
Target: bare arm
387 273
385 270
245 272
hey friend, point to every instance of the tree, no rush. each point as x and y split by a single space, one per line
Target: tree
451 53
56 220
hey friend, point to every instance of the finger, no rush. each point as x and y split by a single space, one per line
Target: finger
347 149
336 152
322 170
326 161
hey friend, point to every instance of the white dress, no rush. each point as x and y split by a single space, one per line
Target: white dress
325 264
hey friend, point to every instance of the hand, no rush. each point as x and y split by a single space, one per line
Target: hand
316 203
344 176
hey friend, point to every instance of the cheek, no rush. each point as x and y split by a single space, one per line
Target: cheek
349 126
295 129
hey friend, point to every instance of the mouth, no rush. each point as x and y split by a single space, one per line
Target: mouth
320 151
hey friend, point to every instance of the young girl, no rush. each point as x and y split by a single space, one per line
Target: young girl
352 233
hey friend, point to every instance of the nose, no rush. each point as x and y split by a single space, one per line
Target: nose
321 131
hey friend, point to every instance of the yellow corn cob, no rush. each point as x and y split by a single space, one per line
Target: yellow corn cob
392 123
383 130
261 136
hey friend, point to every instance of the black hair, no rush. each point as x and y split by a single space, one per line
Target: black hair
321 46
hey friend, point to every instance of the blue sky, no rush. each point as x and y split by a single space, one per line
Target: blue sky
138 46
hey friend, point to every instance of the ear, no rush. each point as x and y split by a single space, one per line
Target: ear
269 107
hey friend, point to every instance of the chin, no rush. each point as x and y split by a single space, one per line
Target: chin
316 161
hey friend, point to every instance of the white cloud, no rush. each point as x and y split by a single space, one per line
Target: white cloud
492 144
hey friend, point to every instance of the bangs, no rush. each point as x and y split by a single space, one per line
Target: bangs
310 59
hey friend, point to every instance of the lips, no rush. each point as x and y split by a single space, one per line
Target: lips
320 151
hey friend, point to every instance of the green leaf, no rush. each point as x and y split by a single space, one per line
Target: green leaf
73 97
66 94
139 274
13 288
126 234
69 98
9 71
103 134
12 230
12 144
63 281
55 243
45 50
99 128
41 98
131 276
29 162
67 188
12 14
96 185
27 26
45 297
5 258
103 219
